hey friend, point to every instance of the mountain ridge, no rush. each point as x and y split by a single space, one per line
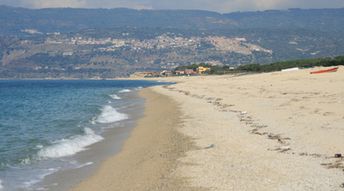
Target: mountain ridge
75 19
73 42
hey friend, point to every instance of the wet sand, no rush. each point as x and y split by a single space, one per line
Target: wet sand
149 157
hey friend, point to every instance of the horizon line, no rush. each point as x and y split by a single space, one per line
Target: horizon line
147 9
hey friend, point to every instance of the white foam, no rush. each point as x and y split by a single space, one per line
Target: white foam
71 146
110 115
124 91
1 186
114 96
93 120
25 161
86 164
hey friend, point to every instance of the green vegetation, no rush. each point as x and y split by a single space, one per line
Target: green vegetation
306 63
214 70
290 35
257 68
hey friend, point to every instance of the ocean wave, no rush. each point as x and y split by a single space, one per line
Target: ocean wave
71 146
110 115
114 96
124 91
1 186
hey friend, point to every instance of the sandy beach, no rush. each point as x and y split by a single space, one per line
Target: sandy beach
272 131
148 159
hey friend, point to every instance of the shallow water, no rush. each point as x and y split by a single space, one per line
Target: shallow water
43 124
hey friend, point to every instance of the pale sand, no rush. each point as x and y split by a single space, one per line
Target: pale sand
274 131
149 157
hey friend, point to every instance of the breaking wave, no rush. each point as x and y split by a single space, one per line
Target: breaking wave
110 115
71 146
114 96
124 91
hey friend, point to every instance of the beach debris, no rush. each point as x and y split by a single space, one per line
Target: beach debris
210 98
338 155
283 149
342 185
279 138
314 155
261 126
273 136
210 146
334 165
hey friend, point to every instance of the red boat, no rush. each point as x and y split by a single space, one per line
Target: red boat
325 71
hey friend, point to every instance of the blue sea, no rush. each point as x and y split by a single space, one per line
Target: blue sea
43 124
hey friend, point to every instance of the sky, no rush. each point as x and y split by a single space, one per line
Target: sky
212 5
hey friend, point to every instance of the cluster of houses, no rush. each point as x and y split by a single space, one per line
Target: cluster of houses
166 73
186 72
189 72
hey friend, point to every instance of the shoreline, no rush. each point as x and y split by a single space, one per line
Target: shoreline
149 157
103 141
271 131
91 159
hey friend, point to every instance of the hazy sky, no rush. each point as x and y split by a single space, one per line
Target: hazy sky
214 5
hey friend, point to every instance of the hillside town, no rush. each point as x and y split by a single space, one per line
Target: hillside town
237 45
82 56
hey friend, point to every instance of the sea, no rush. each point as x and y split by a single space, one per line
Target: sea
50 127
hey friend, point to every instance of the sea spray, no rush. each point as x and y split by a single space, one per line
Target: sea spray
71 146
110 115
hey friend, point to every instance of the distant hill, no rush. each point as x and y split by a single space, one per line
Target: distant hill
73 20
46 41
324 20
